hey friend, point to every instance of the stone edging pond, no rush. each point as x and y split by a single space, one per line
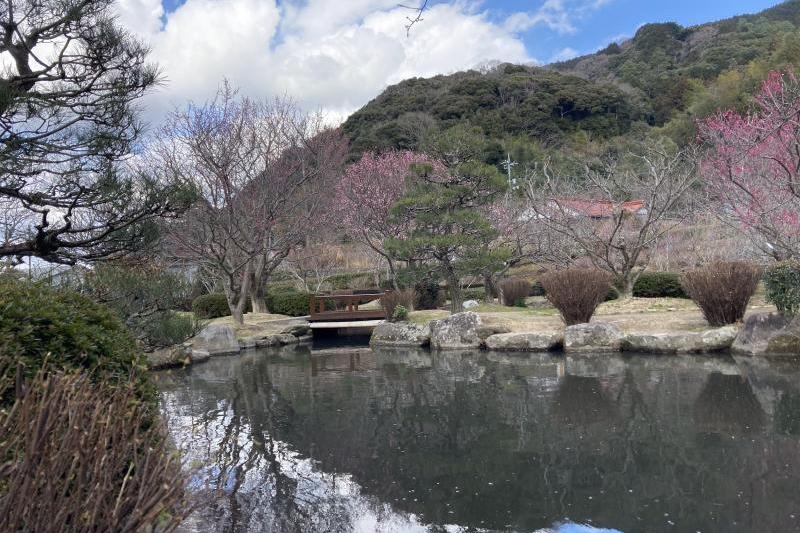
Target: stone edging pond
761 334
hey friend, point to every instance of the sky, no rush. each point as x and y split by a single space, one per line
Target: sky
336 55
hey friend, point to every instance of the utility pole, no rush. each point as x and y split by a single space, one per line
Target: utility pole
508 164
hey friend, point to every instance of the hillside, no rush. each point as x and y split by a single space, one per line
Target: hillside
665 77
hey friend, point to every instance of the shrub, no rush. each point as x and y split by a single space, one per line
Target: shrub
576 292
722 290
171 328
290 303
84 456
69 331
400 314
514 290
402 298
537 289
659 285
473 293
429 296
144 296
211 306
782 282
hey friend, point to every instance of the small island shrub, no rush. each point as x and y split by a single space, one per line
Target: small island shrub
514 291
84 455
429 295
400 314
209 306
67 331
782 282
659 285
391 300
576 292
289 302
722 290
171 328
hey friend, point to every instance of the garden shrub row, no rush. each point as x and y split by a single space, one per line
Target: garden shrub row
659 285
289 302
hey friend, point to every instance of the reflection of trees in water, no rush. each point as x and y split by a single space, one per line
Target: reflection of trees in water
482 443
787 414
728 405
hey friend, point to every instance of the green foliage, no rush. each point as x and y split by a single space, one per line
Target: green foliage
659 285
429 295
473 293
400 314
291 303
782 282
211 306
145 297
41 326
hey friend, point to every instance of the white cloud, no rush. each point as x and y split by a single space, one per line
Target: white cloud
564 55
558 15
335 56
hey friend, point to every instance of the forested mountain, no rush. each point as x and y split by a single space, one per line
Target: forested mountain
661 80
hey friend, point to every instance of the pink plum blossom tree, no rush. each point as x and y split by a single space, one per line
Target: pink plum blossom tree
753 166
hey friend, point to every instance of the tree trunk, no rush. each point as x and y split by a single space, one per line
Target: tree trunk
489 288
238 302
392 273
627 286
456 298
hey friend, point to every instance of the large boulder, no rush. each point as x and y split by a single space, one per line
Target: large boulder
456 332
487 330
525 342
400 334
592 338
215 339
768 334
169 357
714 340
298 329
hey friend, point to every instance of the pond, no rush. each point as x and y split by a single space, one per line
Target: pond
406 440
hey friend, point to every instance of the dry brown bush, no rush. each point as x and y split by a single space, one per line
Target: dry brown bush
405 297
80 456
514 290
576 292
722 289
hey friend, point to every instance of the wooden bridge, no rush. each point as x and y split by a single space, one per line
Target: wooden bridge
341 311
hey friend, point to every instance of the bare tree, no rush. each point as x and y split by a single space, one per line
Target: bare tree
67 125
262 168
617 213
312 265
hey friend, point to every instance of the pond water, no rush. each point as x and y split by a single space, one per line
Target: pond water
405 440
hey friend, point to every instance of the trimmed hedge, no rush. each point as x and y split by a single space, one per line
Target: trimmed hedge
67 331
429 295
291 303
211 306
659 285
782 282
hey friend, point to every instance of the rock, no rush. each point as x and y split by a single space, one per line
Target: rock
216 339
306 338
168 357
400 334
484 332
470 304
525 342
592 338
715 340
459 331
768 334
286 338
266 342
298 330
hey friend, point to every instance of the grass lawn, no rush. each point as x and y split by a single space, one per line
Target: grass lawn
643 315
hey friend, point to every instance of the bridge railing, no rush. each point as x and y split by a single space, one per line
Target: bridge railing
344 307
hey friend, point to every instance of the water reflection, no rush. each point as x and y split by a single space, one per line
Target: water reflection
405 440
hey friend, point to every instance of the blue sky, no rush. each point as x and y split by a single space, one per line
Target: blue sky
614 18
336 55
